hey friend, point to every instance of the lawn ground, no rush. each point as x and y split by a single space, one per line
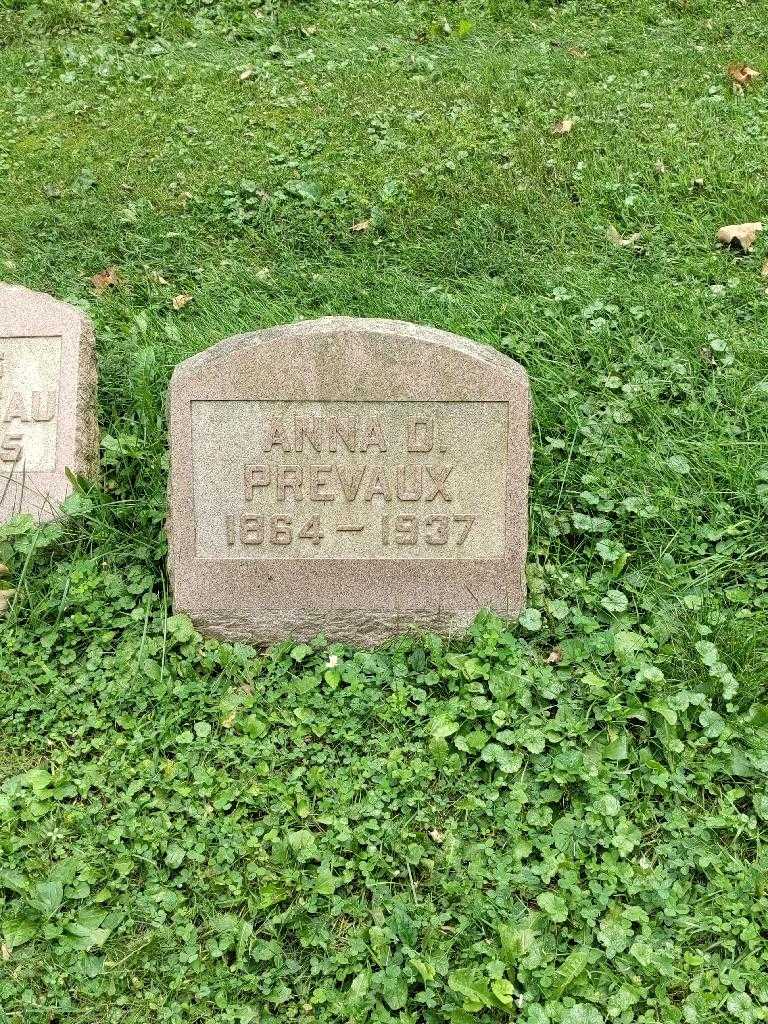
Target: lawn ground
561 822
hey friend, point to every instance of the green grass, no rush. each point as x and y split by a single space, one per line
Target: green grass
561 822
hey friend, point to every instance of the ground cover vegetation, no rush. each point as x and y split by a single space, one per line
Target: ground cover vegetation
563 820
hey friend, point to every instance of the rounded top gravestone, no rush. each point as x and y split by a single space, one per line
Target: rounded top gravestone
357 478
47 401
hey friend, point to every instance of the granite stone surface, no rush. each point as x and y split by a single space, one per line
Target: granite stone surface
359 478
47 401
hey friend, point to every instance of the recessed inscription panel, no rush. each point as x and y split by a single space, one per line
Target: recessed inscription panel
349 480
29 381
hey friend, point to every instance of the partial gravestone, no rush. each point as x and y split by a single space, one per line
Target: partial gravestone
358 478
47 401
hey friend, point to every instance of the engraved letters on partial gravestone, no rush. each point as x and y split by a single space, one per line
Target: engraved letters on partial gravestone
352 477
47 401
29 379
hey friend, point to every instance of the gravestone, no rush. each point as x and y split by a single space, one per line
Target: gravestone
353 477
47 401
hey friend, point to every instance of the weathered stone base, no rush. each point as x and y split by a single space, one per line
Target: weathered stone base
363 628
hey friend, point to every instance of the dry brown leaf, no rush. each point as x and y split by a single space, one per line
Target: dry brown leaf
245 75
613 235
109 278
554 656
158 277
575 51
615 238
5 600
436 835
562 127
741 76
180 301
660 167
362 225
3 569
740 236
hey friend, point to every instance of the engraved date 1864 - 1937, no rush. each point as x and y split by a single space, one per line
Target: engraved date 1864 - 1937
404 531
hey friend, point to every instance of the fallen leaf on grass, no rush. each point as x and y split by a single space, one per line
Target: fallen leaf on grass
740 236
109 278
436 835
615 238
575 51
180 301
362 225
562 127
245 75
741 76
554 656
5 600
